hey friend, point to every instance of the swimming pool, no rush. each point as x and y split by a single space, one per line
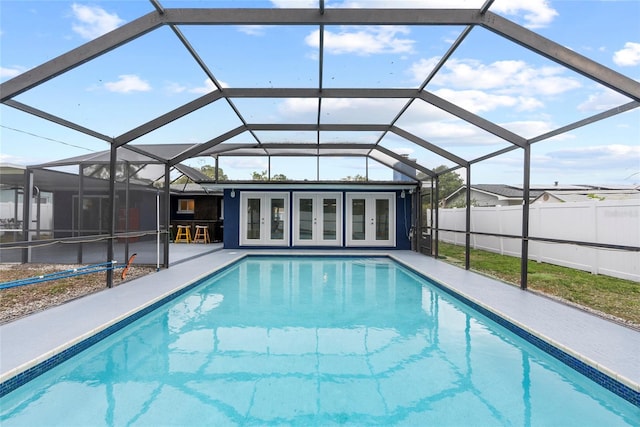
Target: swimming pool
314 340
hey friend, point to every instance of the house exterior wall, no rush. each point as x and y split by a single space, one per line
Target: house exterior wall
231 231
207 211
478 198
547 198
206 207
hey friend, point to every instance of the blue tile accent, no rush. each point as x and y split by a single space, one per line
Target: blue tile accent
589 371
42 367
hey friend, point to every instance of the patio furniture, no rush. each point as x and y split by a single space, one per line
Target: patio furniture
202 234
183 234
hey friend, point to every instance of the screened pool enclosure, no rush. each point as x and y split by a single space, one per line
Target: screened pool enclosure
105 205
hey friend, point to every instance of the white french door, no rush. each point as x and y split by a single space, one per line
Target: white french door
371 219
317 219
264 219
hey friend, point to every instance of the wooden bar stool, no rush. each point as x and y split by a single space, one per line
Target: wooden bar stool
183 234
202 234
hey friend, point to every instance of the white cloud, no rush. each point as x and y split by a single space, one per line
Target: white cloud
252 30
343 110
602 101
478 101
404 151
207 87
367 41
253 163
614 162
447 133
298 106
14 160
536 13
480 87
93 21
531 128
628 56
505 77
128 83
174 88
612 151
295 3
9 72
421 69
401 4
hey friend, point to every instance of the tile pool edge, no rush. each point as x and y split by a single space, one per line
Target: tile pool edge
610 380
605 377
22 374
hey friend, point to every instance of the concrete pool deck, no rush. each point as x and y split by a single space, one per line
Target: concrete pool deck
610 347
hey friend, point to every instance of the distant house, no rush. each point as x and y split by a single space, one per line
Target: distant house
589 194
489 195
508 195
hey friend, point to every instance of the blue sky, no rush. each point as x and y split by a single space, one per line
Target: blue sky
488 75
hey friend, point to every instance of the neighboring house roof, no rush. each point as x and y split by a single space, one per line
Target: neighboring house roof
505 191
500 191
564 193
588 195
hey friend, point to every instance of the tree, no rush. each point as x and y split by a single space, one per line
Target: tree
262 176
357 177
447 183
259 176
209 171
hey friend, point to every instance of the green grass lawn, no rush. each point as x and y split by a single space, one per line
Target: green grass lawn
616 297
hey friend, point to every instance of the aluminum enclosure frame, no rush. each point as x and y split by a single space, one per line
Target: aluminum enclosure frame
321 17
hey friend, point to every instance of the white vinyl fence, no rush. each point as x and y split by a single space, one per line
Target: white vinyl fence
610 222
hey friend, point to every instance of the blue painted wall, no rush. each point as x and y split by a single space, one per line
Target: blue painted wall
403 220
231 232
232 219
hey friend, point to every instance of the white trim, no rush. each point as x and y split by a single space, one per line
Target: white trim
293 186
186 211
370 222
265 238
318 198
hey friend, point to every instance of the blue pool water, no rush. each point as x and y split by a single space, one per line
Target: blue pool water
314 341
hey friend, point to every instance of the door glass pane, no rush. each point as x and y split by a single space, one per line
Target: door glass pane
382 219
277 219
329 219
253 218
305 225
358 219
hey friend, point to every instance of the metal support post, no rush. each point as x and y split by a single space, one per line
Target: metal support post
467 238
113 158
126 209
435 204
79 222
167 211
524 260
27 197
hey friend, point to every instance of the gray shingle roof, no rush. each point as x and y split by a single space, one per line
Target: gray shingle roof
505 190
